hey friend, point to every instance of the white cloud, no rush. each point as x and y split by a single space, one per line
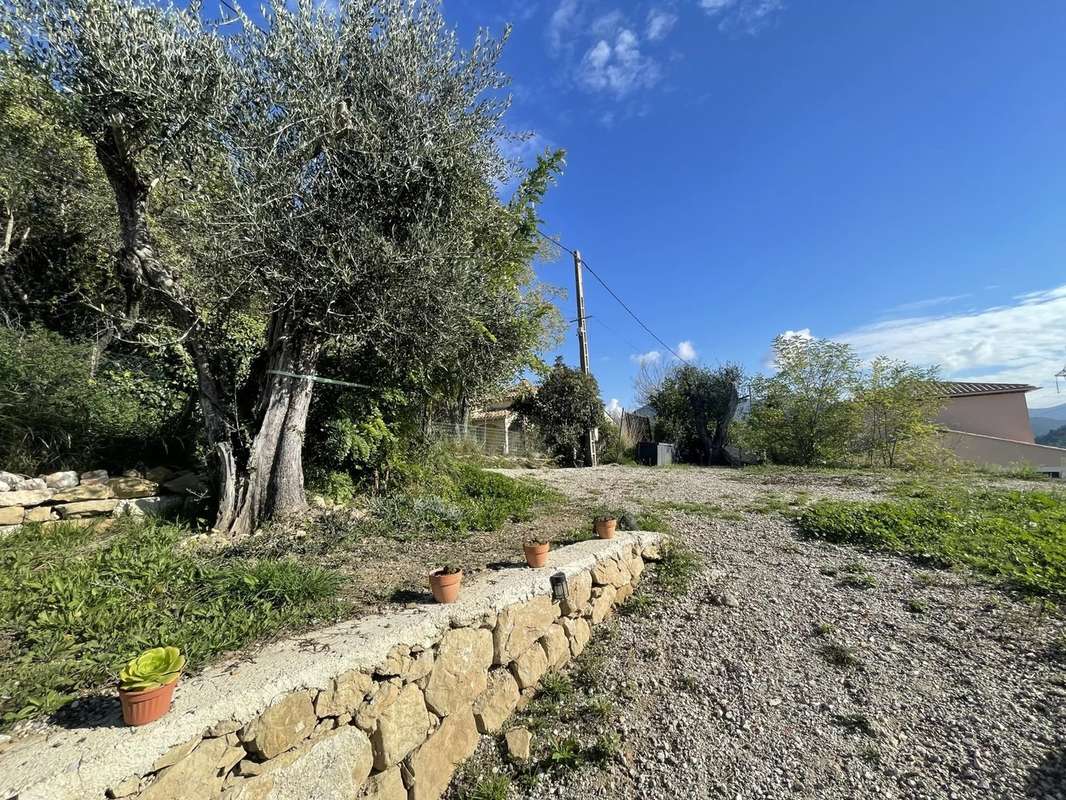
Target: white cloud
747 16
607 25
932 302
1023 342
651 357
715 6
660 23
564 21
614 409
686 350
619 68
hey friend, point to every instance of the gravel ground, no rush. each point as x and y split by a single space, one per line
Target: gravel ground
955 690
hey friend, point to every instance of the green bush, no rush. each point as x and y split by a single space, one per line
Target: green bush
1018 537
77 603
55 414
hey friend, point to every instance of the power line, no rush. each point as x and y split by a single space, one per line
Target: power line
618 299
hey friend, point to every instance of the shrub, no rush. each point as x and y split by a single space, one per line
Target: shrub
565 406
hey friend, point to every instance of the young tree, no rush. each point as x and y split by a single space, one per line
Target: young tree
804 414
695 406
563 409
896 404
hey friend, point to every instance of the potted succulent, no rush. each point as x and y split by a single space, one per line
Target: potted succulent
605 525
445 583
536 549
146 684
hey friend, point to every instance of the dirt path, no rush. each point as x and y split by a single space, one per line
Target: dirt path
803 669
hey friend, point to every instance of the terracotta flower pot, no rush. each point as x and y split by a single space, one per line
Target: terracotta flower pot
605 528
445 587
536 554
140 708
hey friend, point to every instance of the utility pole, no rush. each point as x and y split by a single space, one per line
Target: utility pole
583 351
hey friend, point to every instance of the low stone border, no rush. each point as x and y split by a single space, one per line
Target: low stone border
385 707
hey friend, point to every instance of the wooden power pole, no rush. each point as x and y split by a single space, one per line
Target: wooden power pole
583 351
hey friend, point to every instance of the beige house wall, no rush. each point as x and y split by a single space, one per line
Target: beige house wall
1003 452
1004 415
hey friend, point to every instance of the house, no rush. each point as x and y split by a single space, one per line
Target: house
988 423
497 428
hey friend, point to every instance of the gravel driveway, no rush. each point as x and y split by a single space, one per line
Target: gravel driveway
803 669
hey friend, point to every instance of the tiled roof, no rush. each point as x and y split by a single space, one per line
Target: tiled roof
962 389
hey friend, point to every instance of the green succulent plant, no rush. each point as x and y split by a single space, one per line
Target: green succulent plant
152 669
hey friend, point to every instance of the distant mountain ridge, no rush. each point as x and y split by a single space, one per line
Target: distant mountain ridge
1044 420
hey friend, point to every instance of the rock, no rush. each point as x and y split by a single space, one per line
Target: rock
30 485
623 593
189 483
281 726
126 488
461 670
125 787
401 728
149 506
434 762
12 515
39 514
92 491
34 497
518 742
381 697
93 477
578 632
602 605
402 663
651 551
333 768
628 522
725 599
5 487
224 728
345 695
529 667
608 573
87 508
195 775
556 646
519 626
578 593
9 478
497 702
160 474
387 785
61 480
175 754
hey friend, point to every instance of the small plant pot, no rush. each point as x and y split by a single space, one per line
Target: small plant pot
605 528
536 554
445 587
140 708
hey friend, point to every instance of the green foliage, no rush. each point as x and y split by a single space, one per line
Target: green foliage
677 569
495 787
695 407
840 655
1018 537
1056 437
803 415
611 448
896 404
153 668
566 405
54 413
77 603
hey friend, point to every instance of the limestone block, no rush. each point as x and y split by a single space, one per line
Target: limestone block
602 605
497 702
30 485
148 506
281 726
5 487
461 670
401 728
86 508
432 766
556 647
224 728
125 787
578 593
652 551
381 697
636 567
126 488
530 666
518 743
189 483
92 491
403 663
12 515
579 633
34 497
94 477
345 694
623 593
520 625
9 478
195 775
387 785
333 768
607 573
175 754
38 514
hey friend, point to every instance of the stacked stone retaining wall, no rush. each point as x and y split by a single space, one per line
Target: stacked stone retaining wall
385 707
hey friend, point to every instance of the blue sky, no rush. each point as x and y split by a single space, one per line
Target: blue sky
890 173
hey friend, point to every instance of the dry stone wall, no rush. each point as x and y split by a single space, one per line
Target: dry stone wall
90 496
384 708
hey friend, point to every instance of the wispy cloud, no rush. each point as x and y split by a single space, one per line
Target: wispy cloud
932 302
651 357
563 23
660 23
686 350
1023 341
618 67
745 16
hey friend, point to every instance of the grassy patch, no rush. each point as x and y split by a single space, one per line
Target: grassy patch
76 603
1017 537
840 655
677 569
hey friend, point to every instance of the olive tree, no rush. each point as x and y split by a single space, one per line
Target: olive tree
694 407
